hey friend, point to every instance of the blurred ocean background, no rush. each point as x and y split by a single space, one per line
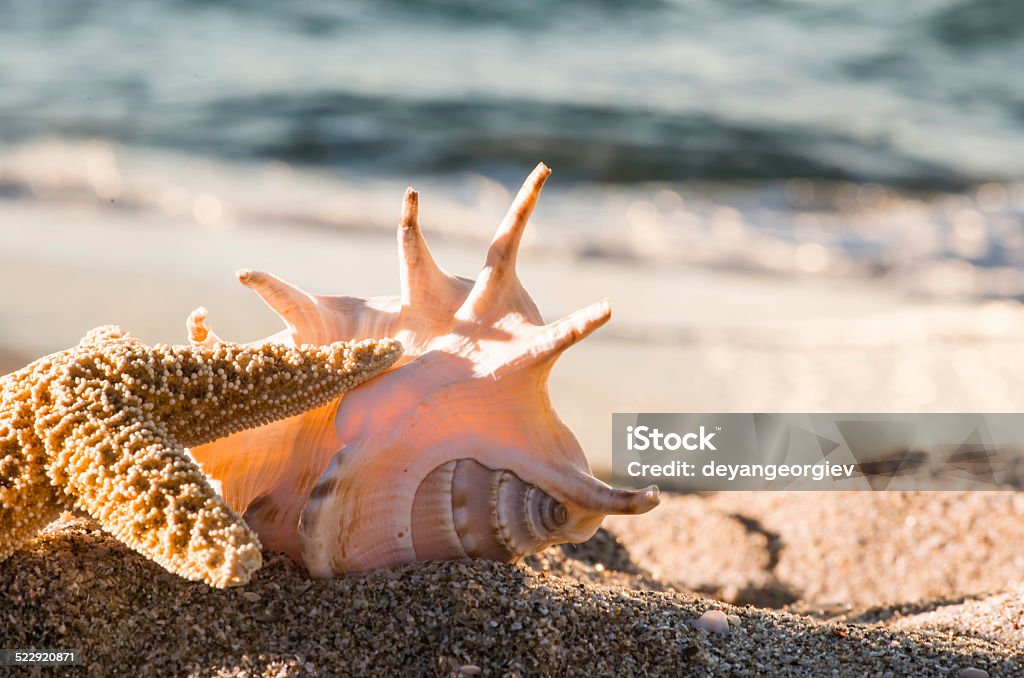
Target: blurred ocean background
833 137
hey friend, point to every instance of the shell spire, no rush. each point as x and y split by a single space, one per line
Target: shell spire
456 451
498 289
421 278
555 338
199 333
291 304
578 325
505 244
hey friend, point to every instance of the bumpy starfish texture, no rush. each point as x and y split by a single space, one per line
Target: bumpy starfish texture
102 428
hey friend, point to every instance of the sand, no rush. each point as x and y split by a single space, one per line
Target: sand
826 550
592 611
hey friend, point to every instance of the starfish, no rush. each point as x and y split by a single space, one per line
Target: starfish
103 427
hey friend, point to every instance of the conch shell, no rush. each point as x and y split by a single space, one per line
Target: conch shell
454 452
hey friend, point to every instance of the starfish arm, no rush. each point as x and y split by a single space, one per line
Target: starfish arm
232 388
28 502
201 393
129 474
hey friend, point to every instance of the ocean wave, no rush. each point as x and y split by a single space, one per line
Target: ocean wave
951 244
908 96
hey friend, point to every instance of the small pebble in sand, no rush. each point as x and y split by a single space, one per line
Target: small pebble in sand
712 621
973 673
734 619
470 670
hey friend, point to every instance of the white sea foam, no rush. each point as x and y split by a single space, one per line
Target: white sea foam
946 245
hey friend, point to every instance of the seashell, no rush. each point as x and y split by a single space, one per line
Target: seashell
456 451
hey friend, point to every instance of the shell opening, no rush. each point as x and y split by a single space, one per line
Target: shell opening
465 509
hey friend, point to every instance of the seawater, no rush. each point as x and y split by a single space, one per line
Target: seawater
834 137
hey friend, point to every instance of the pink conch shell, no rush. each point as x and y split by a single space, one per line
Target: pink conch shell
454 452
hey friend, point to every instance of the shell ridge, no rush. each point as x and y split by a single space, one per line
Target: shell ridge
433 523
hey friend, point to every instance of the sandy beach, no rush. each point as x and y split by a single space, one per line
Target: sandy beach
820 584
591 608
